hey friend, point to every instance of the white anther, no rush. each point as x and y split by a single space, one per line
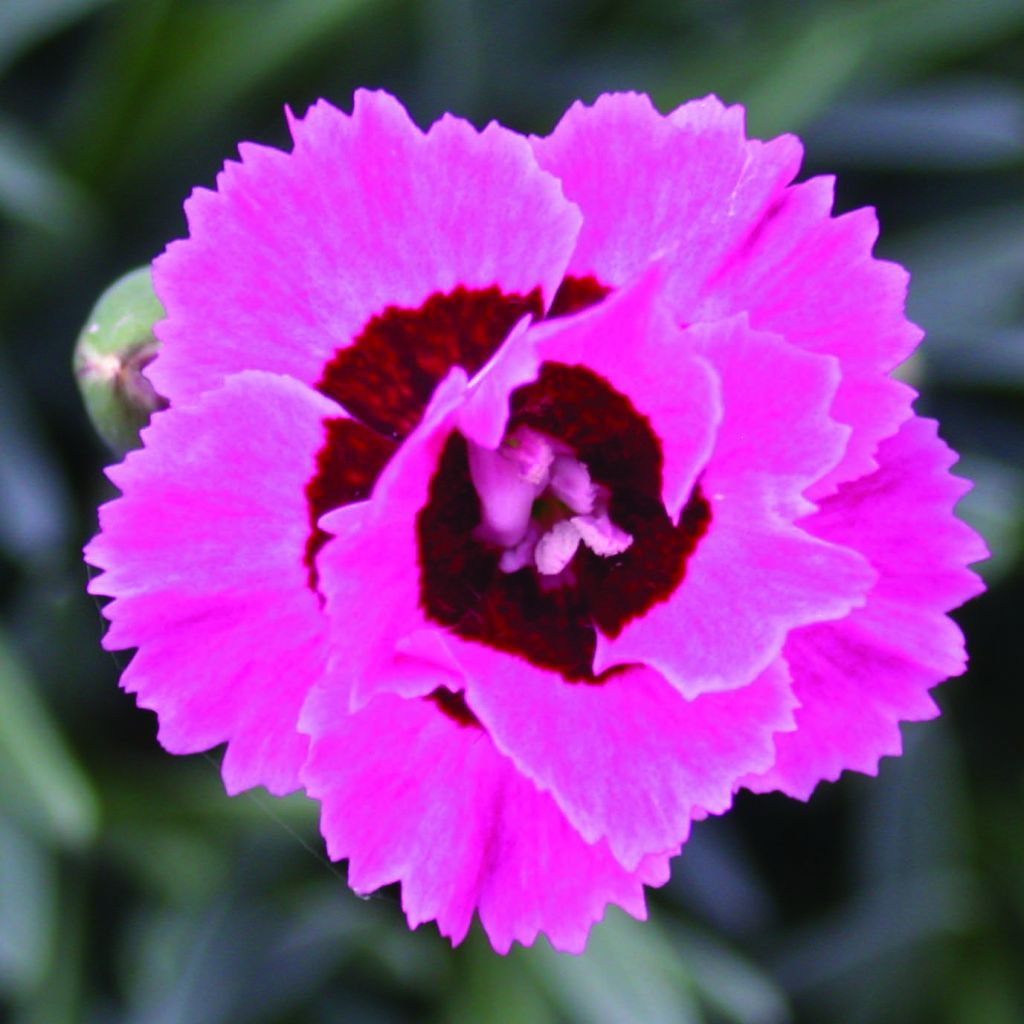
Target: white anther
601 535
556 548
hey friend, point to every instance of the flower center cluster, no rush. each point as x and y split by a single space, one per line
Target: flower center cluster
561 532
533 548
539 504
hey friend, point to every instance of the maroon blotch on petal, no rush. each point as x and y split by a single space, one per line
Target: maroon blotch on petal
386 377
575 294
347 467
454 706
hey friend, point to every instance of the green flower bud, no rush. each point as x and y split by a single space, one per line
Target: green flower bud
113 349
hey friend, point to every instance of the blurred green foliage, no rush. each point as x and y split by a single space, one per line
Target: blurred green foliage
133 890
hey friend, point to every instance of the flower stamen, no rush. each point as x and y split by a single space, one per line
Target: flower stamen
529 490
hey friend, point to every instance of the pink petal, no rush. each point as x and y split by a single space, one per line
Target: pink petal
881 517
755 575
690 185
203 557
857 678
811 278
484 415
627 759
410 795
368 571
631 341
293 253
506 497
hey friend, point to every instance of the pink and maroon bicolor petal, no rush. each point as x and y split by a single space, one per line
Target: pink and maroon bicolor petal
857 678
756 574
203 556
413 794
295 254
368 571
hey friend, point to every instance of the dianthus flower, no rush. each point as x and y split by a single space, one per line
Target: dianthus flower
521 499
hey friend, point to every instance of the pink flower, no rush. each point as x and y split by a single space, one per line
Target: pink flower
521 499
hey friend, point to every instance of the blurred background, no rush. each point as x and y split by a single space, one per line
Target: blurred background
133 890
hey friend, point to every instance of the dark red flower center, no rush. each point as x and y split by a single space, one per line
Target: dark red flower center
385 380
462 583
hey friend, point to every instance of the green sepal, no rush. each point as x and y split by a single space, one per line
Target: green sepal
113 349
